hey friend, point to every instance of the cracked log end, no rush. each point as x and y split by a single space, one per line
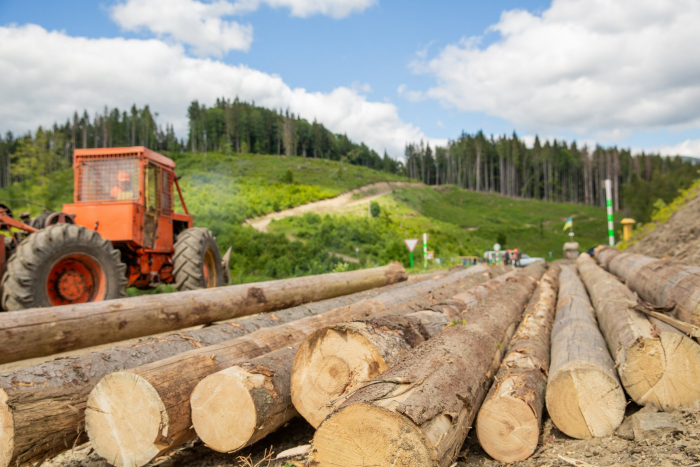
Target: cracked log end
7 431
663 371
364 434
223 409
124 418
509 429
328 365
585 401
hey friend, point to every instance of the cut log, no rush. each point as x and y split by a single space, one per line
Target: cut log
657 364
509 421
336 360
134 416
45 331
242 404
418 412
45 404
584 396
667 284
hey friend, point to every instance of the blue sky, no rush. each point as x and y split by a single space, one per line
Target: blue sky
390 63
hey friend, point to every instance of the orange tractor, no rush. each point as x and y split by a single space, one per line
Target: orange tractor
121 231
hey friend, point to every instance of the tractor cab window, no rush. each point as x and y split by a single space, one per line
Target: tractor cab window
109 179
153 188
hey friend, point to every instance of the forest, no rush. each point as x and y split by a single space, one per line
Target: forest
554 171
228 126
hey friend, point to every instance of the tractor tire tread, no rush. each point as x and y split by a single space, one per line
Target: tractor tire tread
19 287
188 259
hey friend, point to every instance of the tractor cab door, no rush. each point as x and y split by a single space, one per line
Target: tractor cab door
153 180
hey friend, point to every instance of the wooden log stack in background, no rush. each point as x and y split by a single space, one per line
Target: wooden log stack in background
657 364
418 413
45 331
509 421
584 396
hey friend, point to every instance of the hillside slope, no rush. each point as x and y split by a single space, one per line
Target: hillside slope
674 231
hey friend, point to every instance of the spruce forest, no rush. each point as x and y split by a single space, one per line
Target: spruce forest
554 171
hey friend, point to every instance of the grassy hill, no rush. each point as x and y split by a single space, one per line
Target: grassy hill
222 191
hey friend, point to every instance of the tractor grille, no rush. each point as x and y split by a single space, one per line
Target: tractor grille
109 179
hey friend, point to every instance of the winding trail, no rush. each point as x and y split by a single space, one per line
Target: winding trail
339 204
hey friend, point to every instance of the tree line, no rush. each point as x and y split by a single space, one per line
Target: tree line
555 171
230 126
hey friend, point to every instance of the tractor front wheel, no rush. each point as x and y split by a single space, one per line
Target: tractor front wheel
197 260
62 264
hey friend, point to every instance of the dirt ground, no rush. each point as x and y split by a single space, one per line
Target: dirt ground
677 239
556 449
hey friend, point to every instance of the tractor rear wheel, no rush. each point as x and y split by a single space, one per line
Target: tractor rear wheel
197 260
62 264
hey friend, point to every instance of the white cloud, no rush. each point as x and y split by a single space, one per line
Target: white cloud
689 147
440 124
409 95
603 67
201 26
305 8
46 76
194 23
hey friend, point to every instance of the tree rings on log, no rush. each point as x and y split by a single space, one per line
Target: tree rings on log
126 419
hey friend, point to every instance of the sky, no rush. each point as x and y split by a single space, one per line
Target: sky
384 72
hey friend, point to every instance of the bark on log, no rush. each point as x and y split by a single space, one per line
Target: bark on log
663 283
45 331
657 364
418 413
134 416
242 404
336 360
44 405
584 396
509 421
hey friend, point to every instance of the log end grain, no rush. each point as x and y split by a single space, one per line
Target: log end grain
509 428
328 365
124 419
663 371
584 401
365 434
7 431
223 410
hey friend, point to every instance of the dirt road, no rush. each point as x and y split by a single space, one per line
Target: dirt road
339 204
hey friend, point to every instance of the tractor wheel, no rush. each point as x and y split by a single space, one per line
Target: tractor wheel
197 260
61 265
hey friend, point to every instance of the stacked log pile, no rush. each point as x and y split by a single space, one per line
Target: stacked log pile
584 396
509 421
657 363
666 284
136 415
419 412
388 373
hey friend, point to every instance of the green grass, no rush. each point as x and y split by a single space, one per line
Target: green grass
533 226
221 191
458 222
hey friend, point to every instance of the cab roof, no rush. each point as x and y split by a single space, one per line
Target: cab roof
139 151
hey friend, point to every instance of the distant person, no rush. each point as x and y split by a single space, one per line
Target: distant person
507 258
516 257
123 189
